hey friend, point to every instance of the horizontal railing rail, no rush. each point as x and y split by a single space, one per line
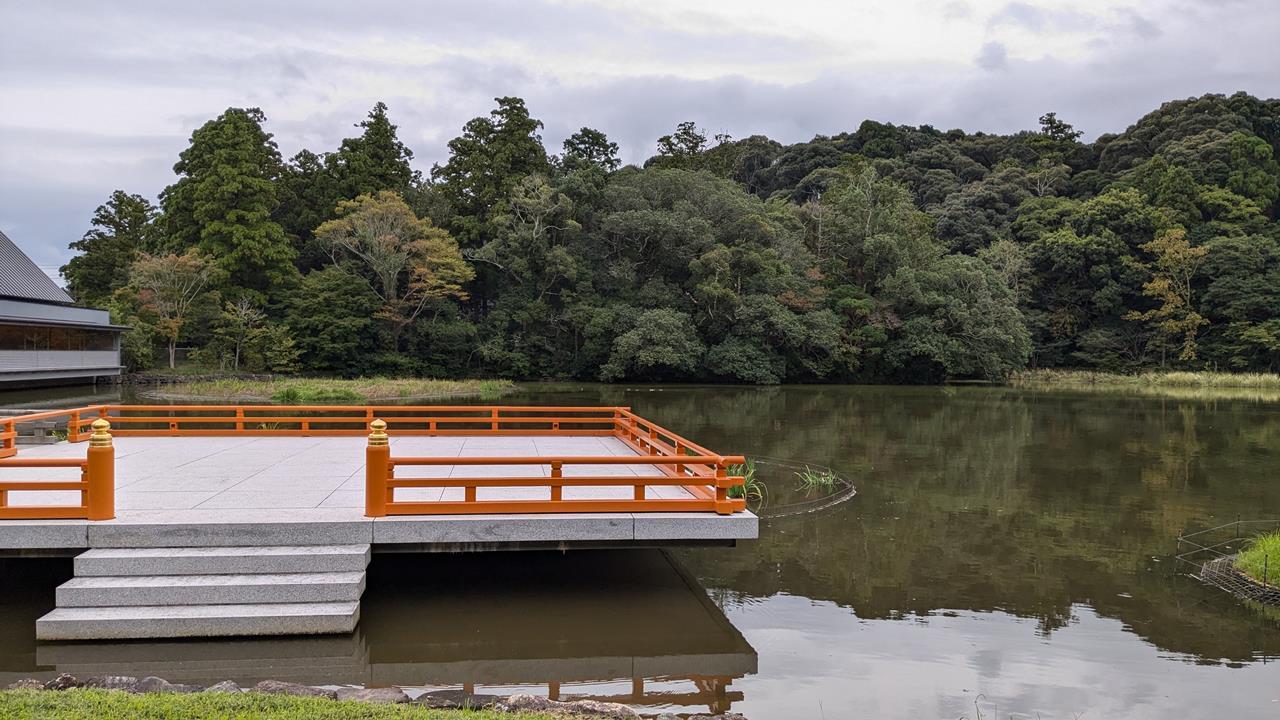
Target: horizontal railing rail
347 420
705 476
96 484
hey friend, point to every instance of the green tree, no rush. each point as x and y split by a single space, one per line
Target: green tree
1254 171
331 319
121 228
224 200
239 326
661 346
374 161
411 262
1055 137
170 288
592 148
308 197
485 162
681 148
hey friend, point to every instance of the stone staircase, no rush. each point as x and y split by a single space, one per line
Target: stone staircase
129 593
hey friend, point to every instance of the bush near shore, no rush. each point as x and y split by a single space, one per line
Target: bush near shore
305 391
1261 560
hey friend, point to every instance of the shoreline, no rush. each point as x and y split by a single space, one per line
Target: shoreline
116 696
1205 386
337 391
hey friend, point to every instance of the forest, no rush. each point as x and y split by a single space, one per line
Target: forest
889 253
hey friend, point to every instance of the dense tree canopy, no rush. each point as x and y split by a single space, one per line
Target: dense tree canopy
884 254
121 228
224 200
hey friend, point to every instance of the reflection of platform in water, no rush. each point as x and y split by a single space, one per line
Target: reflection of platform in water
631 624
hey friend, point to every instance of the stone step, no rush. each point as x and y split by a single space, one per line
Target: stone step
259 588
117 562
120 623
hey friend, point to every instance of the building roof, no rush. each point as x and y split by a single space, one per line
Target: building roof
20 278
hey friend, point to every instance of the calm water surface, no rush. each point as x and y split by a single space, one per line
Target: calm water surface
1008 553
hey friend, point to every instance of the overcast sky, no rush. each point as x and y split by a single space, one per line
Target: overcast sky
96 96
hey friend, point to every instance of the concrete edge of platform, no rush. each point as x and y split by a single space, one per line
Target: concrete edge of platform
180 529
43 534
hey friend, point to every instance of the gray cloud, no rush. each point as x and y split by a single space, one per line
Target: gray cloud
98 99
993 56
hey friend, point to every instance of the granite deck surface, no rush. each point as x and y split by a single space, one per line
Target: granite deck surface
299 490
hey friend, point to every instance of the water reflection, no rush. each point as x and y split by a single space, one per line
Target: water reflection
622 626
1012 544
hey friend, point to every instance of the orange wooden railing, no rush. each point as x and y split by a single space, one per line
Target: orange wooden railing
339 420
96 484
704 475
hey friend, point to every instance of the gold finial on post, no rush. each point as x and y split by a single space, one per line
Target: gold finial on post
378 432
101 436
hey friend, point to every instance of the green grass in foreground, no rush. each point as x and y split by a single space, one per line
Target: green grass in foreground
314 391
1261 560
118 705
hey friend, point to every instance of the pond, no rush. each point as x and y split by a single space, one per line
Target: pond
1008 553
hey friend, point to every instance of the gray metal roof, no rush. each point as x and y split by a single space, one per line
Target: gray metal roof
20 278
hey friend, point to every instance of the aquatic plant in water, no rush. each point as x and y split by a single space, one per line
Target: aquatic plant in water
824 479
752 488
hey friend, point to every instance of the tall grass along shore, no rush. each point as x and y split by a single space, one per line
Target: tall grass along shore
1181 385
303 391
1036 378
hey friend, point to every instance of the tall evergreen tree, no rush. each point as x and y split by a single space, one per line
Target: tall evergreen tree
121 228
486 162
224 200
374 161
592 148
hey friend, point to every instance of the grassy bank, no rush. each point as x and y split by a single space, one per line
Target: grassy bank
311 391
1034 378
1261 560
1263 387
118 705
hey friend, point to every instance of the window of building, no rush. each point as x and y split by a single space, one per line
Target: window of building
30 337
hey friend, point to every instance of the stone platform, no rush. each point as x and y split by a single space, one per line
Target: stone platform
299 491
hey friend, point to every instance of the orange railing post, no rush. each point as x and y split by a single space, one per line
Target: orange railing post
10 446
723 505
557 473
101 465
377 461
73 427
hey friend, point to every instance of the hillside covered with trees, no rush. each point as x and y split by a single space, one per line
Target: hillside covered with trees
885 254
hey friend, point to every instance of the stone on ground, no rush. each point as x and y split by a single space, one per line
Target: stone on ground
160 685
583 708
62 682
226 686
278 687
373 695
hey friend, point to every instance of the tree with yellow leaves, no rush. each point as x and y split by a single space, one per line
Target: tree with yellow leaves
1176 263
